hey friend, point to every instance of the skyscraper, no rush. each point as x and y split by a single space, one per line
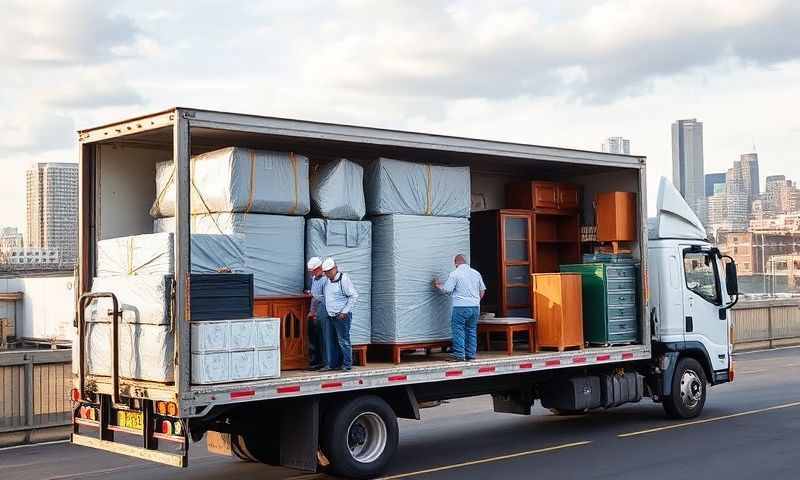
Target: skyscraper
687 160
715 183
749 166
52 209
617 145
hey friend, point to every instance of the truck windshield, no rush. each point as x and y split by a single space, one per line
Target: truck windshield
699 268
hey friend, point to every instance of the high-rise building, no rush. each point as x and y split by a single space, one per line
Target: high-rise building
715 183
778 193
687 160
10 237
52 209
749 166
617 145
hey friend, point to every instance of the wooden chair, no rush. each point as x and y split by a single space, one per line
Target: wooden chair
509 326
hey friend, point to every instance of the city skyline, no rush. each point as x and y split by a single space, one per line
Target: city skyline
439 68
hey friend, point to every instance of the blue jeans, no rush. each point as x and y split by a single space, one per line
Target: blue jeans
342 330
464 324
329 345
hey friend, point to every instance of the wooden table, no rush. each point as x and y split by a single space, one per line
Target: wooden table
509 326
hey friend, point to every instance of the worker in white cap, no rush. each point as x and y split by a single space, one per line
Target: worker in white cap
340 297
317 316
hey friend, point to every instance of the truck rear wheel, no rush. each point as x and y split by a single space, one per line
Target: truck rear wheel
689 386
360 437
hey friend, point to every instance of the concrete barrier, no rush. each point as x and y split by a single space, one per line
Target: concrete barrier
766 323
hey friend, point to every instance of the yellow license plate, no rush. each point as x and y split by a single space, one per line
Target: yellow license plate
130 419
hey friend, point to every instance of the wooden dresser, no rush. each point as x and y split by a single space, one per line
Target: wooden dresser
292 310
558 310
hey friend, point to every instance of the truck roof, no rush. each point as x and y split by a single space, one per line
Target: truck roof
221 127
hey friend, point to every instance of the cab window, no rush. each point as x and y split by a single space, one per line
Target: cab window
700 271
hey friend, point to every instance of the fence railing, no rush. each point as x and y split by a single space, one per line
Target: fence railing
766 323
34 389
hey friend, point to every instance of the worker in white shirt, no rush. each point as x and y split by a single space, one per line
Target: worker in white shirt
317 316
465 285
340 297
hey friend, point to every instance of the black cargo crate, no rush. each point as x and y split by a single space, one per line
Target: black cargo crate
220 296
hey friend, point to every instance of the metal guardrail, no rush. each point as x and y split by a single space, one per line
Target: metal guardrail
34 389
766 323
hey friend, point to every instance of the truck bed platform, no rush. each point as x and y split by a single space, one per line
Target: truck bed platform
414 370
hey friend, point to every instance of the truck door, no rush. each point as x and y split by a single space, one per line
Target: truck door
702 304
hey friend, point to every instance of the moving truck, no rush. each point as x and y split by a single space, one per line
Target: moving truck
347 420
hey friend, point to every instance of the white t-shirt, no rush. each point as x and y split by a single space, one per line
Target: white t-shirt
465 285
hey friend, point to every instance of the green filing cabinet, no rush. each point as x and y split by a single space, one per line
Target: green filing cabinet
610 307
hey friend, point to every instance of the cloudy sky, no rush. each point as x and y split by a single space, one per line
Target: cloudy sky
565 73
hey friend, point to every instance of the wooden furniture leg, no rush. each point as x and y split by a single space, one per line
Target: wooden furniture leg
510 341
532 338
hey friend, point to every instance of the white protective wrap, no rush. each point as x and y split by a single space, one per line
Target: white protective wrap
146 352
143 299
408 252
154 253
272 246
350 245
398 187
237 179
337 190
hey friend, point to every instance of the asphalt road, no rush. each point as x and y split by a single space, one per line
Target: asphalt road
750 429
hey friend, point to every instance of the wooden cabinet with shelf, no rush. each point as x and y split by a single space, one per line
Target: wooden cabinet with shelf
500 242
292 310
543 196
558 310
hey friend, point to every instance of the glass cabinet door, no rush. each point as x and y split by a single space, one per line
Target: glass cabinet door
516 264
516 241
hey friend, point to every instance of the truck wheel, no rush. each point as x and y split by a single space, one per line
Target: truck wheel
689 388
360 437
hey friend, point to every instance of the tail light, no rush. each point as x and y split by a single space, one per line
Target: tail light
167 408
166 427
75 395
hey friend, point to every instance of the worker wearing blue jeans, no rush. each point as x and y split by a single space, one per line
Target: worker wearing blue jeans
340 297
465 285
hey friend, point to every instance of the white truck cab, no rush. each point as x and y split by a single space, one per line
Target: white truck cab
692 286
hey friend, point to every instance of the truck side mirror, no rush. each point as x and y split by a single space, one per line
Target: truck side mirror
731 280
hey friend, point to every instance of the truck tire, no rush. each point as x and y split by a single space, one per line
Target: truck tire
689 387
360 437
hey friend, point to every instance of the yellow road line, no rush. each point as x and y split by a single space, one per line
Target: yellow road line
708 420
487 460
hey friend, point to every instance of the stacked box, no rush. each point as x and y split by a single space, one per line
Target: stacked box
409 188
235 350
337 190
271 246
350 244
235 179
408 252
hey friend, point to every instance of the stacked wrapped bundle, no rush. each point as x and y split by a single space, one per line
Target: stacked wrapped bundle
410 188
408 252
257 198
235 179
337 190
419 223
350 243
271 246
